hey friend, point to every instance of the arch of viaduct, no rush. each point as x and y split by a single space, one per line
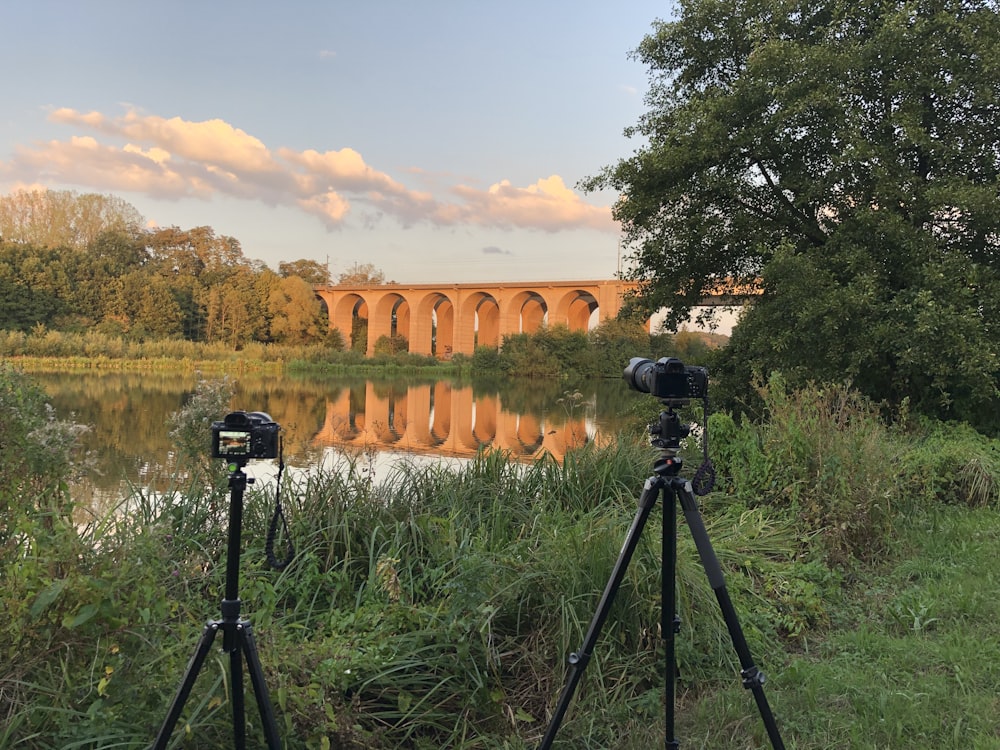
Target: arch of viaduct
444 420
444 319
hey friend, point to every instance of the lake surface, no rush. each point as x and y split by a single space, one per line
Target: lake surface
391 418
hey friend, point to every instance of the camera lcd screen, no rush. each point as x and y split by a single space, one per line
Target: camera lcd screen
234 443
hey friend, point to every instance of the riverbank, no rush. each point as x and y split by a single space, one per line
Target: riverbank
56 351
435 608
547 353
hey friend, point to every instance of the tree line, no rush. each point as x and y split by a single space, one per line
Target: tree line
84 262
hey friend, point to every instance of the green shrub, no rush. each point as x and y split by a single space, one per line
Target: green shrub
822 453
950 463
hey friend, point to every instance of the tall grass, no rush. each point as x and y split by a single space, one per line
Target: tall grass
434 607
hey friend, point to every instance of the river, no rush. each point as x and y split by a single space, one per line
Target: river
129 441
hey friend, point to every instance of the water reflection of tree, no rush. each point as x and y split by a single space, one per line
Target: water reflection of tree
128 412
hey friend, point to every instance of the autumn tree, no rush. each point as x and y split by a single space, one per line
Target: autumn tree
35 287
235 311
845 155
64 218
195 262
196 252
142 306
296 314
108 257
362 273
307 270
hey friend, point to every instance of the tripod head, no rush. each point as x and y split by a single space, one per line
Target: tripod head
666 434
238 480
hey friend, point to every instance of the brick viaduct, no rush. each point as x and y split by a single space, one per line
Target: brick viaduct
445 319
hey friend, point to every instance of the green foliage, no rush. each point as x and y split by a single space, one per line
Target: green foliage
836 322
190 427
603 352
38 457
166 283
831 157
34 286
616 341
391 345
434 606
486 359
952 463
523 354
820 452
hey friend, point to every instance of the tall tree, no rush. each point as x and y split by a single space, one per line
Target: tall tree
845 153
362 273
295 312
143 306
63 218
236 312
110 256
195 252
34 286
307 270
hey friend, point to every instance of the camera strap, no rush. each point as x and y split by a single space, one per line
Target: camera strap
276 517
704 478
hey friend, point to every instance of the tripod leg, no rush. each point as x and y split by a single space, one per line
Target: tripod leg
260 688
236 691
753 678
669 621
190 675
579 659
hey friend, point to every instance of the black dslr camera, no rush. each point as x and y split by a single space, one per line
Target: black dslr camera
667 379
244 435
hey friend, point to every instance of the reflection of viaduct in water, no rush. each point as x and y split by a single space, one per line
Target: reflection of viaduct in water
441 419
442 319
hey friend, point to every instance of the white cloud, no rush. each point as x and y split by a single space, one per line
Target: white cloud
175 158
547 205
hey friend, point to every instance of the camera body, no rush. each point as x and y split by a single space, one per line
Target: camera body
244 435
667 379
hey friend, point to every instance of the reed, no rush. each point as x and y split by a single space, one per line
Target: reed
434 607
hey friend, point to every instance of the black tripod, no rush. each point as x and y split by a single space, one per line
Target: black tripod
667 435
237 639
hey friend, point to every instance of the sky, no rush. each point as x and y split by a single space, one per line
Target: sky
439 140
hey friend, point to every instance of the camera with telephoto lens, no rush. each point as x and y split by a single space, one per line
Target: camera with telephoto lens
667 379
245 435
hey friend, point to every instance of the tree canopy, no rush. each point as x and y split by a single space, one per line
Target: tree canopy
362 273
844 155
307 270
63 218
75 262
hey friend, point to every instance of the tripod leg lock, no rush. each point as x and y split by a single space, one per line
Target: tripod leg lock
752 677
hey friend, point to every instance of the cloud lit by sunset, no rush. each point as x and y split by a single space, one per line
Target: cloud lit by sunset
174 157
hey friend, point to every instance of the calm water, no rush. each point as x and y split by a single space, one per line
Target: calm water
130 442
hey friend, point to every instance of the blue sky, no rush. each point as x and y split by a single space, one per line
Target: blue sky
440 140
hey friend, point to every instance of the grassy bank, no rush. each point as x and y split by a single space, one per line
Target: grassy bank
58 351
435 609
